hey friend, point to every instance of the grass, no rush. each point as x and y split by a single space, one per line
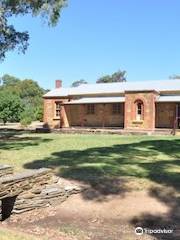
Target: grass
106 163
96 158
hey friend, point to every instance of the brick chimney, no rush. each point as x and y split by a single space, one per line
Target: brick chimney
58 83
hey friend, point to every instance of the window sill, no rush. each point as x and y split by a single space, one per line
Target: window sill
56 118
138 121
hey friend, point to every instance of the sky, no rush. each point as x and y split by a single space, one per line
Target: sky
98 37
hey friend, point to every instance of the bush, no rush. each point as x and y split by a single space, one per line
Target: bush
39 114
26 121
10 107
18 96
26 117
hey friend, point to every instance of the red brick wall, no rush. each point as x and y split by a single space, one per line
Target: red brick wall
50 118
148 99
77 116
165 115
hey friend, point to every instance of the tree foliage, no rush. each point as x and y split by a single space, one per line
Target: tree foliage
8 80
29 93
10 38
119 76
78 83
174 76
10 107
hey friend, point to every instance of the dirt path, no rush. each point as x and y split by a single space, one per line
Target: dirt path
82 219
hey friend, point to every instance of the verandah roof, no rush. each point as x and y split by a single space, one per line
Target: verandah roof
172 98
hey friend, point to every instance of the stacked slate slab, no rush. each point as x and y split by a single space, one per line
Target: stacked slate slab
31 189
5 170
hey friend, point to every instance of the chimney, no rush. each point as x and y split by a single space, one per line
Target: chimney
58 83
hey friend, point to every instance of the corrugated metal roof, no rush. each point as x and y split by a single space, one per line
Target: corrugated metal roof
116 88
168 99
97 100
58 92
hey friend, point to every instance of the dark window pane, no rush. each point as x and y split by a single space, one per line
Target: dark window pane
58 108
116 108
90 109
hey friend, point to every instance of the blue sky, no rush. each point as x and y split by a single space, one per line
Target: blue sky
98 37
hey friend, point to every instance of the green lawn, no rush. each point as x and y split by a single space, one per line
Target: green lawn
96 158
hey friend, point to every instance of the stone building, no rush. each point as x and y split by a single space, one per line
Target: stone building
143 105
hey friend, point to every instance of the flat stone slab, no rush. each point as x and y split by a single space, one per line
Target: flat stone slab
4 166
32 189
24 175
13 185
5 170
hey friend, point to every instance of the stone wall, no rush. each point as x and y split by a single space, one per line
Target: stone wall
155 115
148 99
5 170
76 115
165 115
103 116
49 113
29 190
50 118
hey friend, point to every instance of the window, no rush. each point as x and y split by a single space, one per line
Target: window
116 108
58 109
90 109
139 110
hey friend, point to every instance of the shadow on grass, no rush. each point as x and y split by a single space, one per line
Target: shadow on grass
150 160
107 169
16 140
170 221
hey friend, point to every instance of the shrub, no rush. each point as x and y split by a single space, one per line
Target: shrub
39 114
10 107
26 117
26 121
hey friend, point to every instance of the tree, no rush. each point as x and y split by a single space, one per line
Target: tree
78 83
29 92
10 38
30 89
10 84
8 80
174 76
104 79
10 107
119 76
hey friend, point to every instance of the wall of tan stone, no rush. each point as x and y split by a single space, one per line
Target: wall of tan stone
155 114
49 114
73 115
165 115
148 99
103 117
50 119
21 192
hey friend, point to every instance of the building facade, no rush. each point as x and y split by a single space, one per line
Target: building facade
143 105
